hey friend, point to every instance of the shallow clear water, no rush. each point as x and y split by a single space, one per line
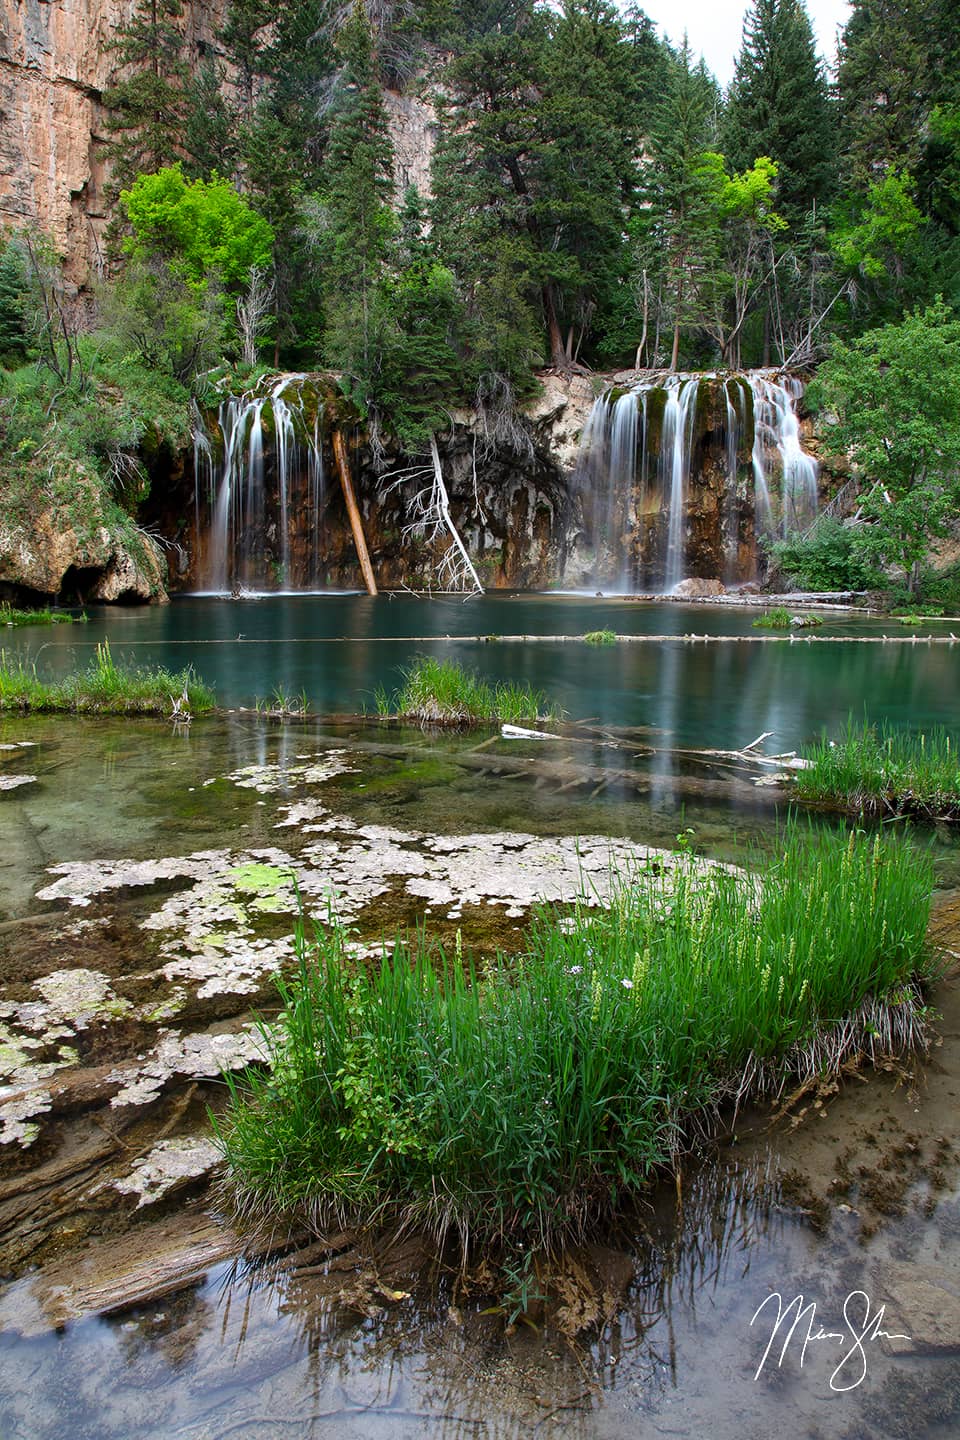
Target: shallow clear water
339 649
267 1354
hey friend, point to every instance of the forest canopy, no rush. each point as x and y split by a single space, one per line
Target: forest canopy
586 196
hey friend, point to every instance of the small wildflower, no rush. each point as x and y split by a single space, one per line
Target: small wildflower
627 984
575 970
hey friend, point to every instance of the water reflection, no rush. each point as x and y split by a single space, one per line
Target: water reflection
274 1352
340 649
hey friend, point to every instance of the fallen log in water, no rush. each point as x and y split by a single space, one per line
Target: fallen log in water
568 774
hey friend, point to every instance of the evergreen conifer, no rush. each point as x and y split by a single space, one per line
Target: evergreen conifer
779 105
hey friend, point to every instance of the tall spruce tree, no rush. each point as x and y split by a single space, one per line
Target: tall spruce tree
13 289
146 103
358 166
898 60
779 105
537 167
681 239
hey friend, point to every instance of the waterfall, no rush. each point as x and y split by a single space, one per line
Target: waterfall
665 494
675 452
260 436
778 456
736 424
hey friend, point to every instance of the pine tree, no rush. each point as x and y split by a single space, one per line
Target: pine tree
898 60
209 129
358 166
13 287
147 105
537 168
243 39
681 221
421 367
779 105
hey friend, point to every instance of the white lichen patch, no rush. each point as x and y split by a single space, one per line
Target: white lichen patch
77 997
302 815
15 782
285 775
197 1056
235 965
170 1165
32 1032
82 880
18 1117
20 1065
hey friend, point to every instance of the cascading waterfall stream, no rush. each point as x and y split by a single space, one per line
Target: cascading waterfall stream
248 542
776 438
675 453
680 474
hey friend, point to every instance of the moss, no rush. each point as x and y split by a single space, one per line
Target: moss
655 410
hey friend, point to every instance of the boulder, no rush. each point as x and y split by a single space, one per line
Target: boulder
695 588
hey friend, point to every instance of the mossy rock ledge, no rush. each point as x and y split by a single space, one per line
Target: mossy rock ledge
73 543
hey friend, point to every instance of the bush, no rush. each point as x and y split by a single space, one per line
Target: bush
825 559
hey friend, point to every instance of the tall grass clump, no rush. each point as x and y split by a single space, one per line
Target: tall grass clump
9 616
776 619
522 1102
883 772
600 637
103 688
440 692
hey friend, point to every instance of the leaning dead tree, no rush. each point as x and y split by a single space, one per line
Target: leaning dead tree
432 522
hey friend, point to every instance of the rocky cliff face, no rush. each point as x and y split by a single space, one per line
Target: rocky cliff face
55 62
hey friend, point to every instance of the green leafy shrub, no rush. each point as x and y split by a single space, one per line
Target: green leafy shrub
824 559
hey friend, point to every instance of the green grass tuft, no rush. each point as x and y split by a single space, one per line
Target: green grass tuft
600 637
440 692
776 619
103 688
884 772
523 1102
9 616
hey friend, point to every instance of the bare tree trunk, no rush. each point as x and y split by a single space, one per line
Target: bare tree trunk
643 334
353 511
443 505
558 352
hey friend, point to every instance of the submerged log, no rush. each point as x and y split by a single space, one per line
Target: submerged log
353 511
